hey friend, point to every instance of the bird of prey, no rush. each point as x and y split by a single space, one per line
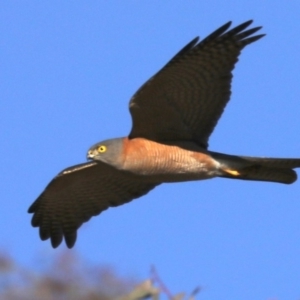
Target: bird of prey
173 115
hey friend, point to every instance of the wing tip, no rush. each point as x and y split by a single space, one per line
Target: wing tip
57 237
70 239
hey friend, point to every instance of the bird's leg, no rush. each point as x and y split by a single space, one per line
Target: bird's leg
232 172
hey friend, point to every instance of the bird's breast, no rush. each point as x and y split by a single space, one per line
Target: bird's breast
168 163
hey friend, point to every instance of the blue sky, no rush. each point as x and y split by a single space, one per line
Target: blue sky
68 70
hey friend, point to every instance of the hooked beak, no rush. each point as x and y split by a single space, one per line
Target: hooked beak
90 154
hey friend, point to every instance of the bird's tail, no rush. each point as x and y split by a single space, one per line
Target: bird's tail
258 168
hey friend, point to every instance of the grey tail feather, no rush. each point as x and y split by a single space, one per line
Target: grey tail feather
258 168
261 173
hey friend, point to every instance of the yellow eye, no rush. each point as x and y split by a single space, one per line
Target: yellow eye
101 149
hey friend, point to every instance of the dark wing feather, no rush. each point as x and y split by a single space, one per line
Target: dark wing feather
186 98
80 192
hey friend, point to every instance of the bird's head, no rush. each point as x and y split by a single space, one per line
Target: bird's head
108 151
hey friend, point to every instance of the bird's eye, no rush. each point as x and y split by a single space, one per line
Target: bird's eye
101 149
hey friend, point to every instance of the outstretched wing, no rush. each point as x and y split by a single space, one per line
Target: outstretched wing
80 192
185 99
